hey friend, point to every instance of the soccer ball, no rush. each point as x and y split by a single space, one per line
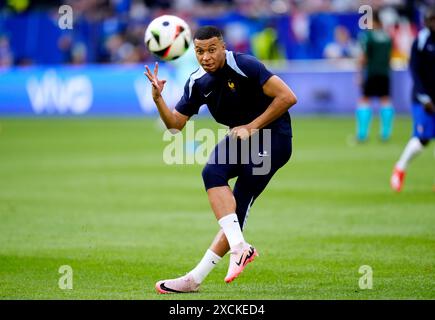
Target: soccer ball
168 37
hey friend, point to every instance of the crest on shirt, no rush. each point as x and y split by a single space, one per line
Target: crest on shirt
231 85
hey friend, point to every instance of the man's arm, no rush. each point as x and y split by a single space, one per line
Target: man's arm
414 66
361 65
283 99
361 61
172 119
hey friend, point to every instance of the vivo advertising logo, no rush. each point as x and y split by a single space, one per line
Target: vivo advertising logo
52 94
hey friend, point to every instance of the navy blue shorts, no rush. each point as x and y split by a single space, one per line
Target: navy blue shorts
253 162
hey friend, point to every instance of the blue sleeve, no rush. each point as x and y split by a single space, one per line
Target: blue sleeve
253 68
415 65
189 103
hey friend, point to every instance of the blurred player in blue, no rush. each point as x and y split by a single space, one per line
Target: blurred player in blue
375 67
422 67
245 96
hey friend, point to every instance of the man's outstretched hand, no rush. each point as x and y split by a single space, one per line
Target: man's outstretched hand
157 85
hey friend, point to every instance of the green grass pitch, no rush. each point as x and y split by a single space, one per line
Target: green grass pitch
95 194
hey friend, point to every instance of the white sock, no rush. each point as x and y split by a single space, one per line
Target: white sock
413 147
231 227
204 267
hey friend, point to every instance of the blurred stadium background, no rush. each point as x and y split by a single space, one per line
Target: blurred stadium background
314 41
83 183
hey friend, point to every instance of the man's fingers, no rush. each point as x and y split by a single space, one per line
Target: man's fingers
239 133
148 70
148 73
156 69
153 82
151 79
148 76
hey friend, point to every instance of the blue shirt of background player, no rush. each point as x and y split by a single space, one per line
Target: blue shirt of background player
422 65
234 94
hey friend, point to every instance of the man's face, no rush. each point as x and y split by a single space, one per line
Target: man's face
210 53
430 21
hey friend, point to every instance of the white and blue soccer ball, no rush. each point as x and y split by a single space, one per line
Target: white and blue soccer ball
168 37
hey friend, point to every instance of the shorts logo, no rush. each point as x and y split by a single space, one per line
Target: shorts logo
231 85
263 154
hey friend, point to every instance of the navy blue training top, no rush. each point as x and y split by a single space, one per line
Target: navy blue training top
422 65
234 94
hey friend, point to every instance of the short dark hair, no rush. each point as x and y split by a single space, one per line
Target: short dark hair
207 32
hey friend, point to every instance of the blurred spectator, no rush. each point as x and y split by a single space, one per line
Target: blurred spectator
403 34
237 36
121 51
18 5
24 61
121 7
375 80
344 5
300 26
64 44
113 30
343 45
158 4
6 57
265 45
79 53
